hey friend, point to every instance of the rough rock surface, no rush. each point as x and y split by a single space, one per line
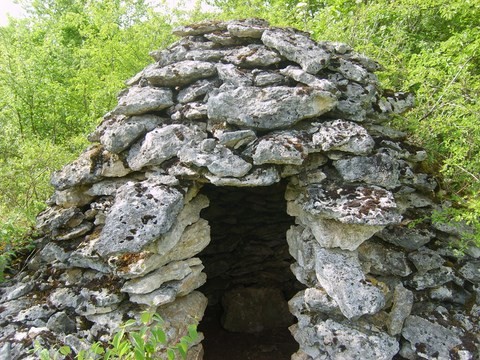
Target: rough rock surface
250 162
268 108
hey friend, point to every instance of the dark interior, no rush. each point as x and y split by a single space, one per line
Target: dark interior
248 275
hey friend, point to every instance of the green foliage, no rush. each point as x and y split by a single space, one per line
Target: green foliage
132 342
12 241
60 71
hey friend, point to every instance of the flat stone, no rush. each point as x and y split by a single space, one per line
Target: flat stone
231 75
330 233
304 77
36 312
379 169
61 323
193 240
140 214
86 256
126 130
188 216
285 149
408 238
55 217
351 71
197 89
301 246
268 108
180 73
225 39
236 139
396 102
185 311
16 291
190 111
218 159
268 78
354 344
140 100
471 271
52 252
353 204
113 165
340 274
253 56
257 177
72 197
210 55
84 170
170 291
341 135
297 47
106 187
176 52
248 28
432 278
187 237
62 298
200 28
401 308
155 298
425 259
161 144
430 339
381 259
312 300
176 270
76 232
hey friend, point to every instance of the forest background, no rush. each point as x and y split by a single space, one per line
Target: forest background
63 64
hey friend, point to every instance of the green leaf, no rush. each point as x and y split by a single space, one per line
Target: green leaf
192 332
145 317
118 338
97 348
159 336
129 322
182 349
171 354
44 355
137 341
158 319
139 354
65 350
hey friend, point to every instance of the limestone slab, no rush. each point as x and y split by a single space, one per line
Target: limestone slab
140 214
126 130
180 73
268 108
297 47
340 274
141 100
160 145
341 135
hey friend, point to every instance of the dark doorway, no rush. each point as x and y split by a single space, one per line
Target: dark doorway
248 275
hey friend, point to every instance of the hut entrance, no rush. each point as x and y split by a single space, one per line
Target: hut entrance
248 275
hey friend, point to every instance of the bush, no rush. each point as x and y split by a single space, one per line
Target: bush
149 341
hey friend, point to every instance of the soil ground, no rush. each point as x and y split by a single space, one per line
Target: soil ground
220 344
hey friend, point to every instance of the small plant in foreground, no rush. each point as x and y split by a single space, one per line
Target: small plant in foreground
145 343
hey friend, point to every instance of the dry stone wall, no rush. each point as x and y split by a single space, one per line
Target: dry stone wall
242 104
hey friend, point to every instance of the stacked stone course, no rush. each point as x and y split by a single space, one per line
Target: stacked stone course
242 104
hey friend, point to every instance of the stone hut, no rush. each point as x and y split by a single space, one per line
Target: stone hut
250 170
